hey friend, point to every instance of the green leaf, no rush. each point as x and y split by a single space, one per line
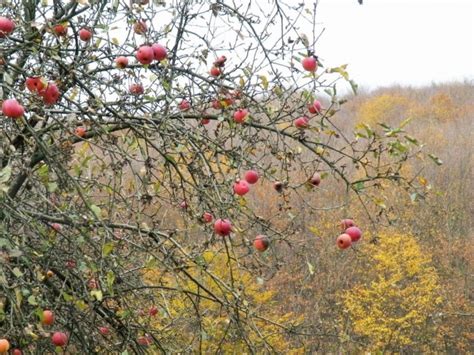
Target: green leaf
52 186
32 300
437 160
17 272
5 174
97 294
96 210
310 268
107 249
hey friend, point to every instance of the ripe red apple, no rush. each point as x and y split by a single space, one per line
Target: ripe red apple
278 186
315 107
50 94
84 34
145 55
6 26
184 105
104 331
344 241
301 122
216 104
220 62
251 176
140 27
354 232
222 227
310 64
241 187
215 71
159 52
80 131
136 89
17 352
153 311
121 62
59 339
240 115
207 217
4 346
60 30
35 84
261 242
48 317
315 179
57 227
205 120
11 108
145 340
346 223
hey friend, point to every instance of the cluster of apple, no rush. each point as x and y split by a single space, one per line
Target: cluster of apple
351 234
216 69
47 319
223 227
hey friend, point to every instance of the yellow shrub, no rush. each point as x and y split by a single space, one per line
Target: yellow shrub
391 308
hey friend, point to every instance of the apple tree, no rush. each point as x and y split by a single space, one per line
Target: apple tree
132 136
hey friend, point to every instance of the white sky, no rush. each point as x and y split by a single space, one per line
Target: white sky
409 42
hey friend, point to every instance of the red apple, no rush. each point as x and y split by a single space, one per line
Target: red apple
183 205
220 62
278 186
222 227
215 71
344 241
315 107
207 217
216 104
84 34
354 232
4 346
17 352
240 115
145 340
261 242
310 64
184 105
205 120
301 122
140 27
59 339
80 131
71 264
136 89
57 227
159 52
121 62
241 187
315 179
50 94
6 26
251 177
11 108
104 331
346 223
35 84
48 317
60 30
153 311
145 55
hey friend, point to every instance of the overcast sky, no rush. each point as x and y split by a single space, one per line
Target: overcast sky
410 42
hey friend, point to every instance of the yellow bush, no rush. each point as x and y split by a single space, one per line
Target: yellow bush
399 292
384 108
